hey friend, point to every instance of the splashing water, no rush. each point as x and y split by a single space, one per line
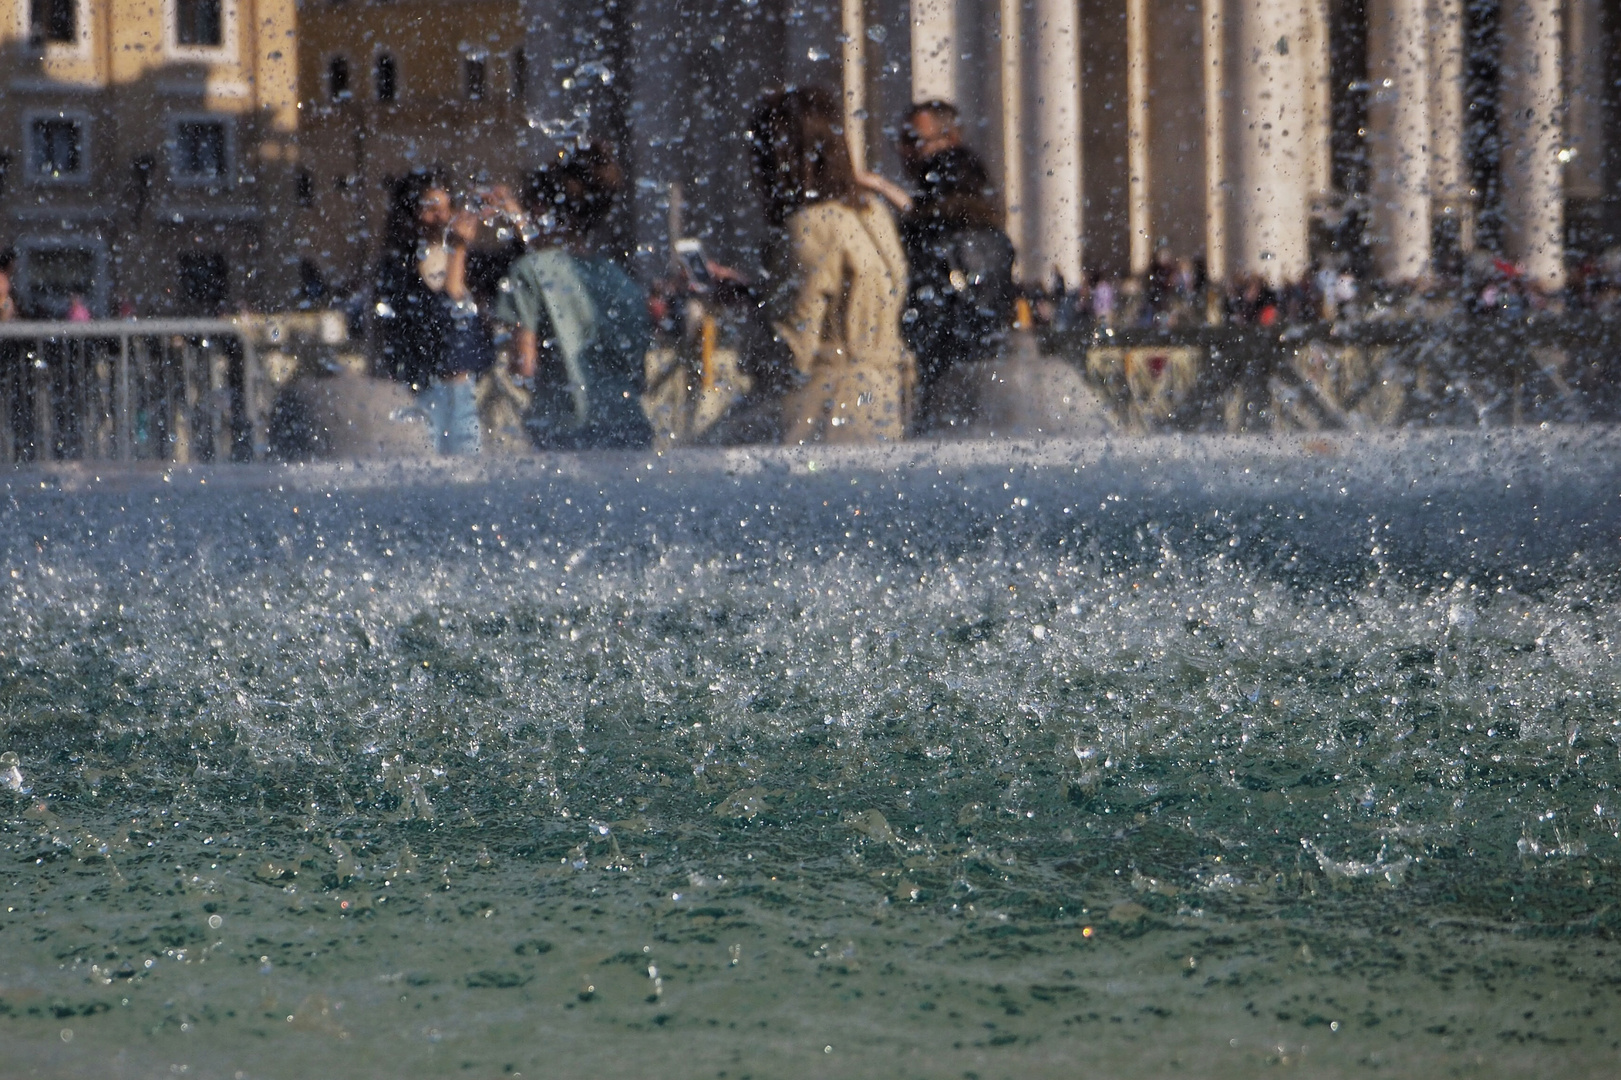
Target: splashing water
1199 753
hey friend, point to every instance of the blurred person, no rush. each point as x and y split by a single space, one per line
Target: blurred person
1104 299
1253 302
432 336
8 300
78 310
1159 287
1327 280
960 290
838 279
581 325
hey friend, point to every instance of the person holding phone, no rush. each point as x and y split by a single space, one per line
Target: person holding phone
432 336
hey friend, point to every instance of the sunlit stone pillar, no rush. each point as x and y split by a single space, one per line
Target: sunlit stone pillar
1585 80
1317 100
1270 200
1215 139
1399 138
1139 218
934 50
1451 202
657 155
1011 47
1533 194
854 67
1056 231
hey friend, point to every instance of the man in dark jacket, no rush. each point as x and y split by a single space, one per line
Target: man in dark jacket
961 292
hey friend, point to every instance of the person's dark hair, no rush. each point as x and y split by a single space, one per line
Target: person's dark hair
944 110
402 233
801 155
8 259
578 190
957 188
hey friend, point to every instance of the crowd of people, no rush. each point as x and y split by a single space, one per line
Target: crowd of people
870 291
1176 293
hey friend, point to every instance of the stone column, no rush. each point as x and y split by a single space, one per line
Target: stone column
1139 217
1532 184
1586 62
1318 101
934 50
854 66
1533 190
1011 47
1270 175
1450 198
1056 240
1215 139
657 157
1399 138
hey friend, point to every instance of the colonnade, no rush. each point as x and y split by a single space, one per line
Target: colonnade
1220 129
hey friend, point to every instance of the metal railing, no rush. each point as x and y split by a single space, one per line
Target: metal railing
1471 370
175 390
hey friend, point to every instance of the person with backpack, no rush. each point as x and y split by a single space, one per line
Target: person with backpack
581 328
961 293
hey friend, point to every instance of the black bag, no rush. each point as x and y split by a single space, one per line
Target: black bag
468 344
962 297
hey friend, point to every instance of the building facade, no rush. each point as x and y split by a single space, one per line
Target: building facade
192 156
148 157
386 86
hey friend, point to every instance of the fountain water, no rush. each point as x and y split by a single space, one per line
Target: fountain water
1175 754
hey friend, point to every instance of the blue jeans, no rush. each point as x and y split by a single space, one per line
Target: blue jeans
452 409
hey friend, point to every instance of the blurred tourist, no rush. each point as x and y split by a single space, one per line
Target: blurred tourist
581 325
838 278
1104 298
431 334
961 292
8 302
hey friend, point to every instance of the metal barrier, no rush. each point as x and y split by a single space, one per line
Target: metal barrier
1464 370
176 390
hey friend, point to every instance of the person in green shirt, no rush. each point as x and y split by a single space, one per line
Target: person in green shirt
580 324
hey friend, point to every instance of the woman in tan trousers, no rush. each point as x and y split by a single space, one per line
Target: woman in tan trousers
837 279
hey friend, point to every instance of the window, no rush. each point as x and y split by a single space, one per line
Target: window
205 284
337 78
200 150
386 79
54 276
54 21
58 147
474 69
199 23
520 74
